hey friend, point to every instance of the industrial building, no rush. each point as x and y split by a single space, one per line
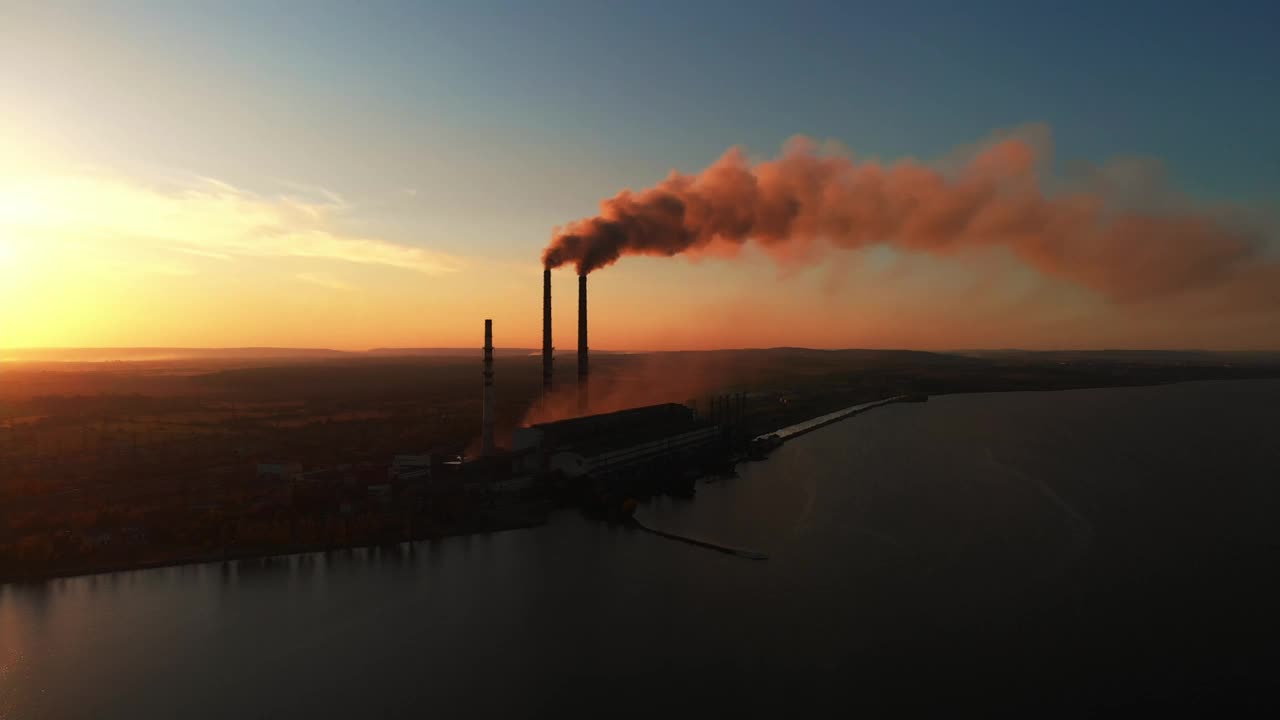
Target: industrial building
602 445
610 452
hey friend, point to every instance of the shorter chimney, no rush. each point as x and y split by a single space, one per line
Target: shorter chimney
583 401
547 350
486 422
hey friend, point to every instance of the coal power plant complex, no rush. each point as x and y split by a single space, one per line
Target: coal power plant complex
607 460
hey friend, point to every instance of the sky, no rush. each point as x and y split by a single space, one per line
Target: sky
381 174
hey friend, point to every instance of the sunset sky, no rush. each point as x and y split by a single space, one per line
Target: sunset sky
359 175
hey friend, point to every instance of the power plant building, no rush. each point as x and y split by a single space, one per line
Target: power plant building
610 452
600 445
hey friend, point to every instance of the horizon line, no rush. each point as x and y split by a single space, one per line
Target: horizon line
536 349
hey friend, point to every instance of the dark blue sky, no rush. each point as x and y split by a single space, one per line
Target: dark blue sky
1192 83
644 86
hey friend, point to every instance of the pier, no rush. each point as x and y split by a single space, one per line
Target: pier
794 431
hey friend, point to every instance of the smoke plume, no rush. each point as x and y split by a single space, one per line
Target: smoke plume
807 200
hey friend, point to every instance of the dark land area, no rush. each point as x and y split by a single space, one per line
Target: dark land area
115 464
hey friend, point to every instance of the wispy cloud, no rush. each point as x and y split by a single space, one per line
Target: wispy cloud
162 268
325 195
324 280
203 253
209 218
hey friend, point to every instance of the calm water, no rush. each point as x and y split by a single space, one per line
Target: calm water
1065 550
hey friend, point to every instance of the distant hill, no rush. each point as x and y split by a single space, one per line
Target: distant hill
153 354
1133 357
447 352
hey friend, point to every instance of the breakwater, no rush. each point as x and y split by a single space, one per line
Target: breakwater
740 552
794 431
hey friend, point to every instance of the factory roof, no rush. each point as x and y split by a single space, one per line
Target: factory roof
610 431
631 416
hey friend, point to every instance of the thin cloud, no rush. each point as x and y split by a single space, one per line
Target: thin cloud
329 197
209 218
203 253
324 280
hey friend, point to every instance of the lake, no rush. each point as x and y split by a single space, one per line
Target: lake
1057 552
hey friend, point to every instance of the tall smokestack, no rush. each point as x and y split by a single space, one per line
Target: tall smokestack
486 422
583 401
547 350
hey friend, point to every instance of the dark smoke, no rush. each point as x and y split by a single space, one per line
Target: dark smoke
805 200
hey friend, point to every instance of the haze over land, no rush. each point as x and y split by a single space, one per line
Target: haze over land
163 354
